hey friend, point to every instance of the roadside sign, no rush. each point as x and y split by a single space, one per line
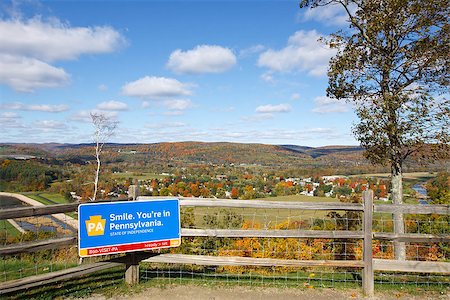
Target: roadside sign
125 226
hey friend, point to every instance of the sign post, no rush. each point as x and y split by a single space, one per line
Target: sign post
119 227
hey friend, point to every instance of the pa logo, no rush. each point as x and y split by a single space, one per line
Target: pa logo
95 226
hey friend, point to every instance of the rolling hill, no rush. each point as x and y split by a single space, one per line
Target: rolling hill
188 153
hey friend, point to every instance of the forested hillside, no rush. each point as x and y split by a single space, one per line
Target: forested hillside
160 156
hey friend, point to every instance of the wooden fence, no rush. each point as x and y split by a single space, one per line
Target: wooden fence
131 260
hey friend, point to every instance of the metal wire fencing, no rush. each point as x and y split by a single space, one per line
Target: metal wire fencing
294 248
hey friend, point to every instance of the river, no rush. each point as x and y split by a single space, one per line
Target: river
422 191
419 188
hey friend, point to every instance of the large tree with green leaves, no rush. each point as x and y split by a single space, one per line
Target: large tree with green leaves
392 64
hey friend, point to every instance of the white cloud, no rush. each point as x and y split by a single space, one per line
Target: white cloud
35 107
48 108
174 113
166 125
53 40
28 47
50 125
303 53
10 120
178 104
84 116
112 105
269 108
26 74
258 118
8 116
295 96
156 88
268 77
333 14
222 109
326 105
102 87
202 59
251 50
281 135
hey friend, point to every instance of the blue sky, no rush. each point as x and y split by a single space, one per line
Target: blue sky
235 71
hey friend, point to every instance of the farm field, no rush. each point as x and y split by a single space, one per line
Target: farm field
261 216
137 175
300 198
46 198
50 199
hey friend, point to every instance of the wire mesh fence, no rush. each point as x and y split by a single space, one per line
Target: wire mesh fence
45 261
293 248
415 224
295 277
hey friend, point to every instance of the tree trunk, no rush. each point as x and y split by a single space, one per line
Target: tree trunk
97 173
397 198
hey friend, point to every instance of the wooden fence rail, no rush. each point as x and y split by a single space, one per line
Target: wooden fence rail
237 233
367 264
30 211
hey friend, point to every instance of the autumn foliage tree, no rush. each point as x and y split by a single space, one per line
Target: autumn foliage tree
392 64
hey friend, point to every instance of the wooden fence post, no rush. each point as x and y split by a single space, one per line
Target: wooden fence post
132 269
132 264
368 277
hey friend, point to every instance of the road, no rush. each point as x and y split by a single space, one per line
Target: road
60 217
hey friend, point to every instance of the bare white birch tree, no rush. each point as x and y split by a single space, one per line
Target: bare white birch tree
104 128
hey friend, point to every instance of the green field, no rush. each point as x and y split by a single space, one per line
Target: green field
50 199
300 198
7 229
138 176
47 198
267 217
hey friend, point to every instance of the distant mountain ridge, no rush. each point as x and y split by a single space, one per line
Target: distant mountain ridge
322 151
167 156
192 152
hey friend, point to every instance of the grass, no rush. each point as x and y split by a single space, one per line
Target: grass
138 175
57 198
106 282
50 199
8 229
267 217
300 198
317 277
47 198
13 268
110 283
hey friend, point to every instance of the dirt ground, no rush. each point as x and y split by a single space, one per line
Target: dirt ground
187 292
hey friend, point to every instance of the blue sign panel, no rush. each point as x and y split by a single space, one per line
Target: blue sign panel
117 227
